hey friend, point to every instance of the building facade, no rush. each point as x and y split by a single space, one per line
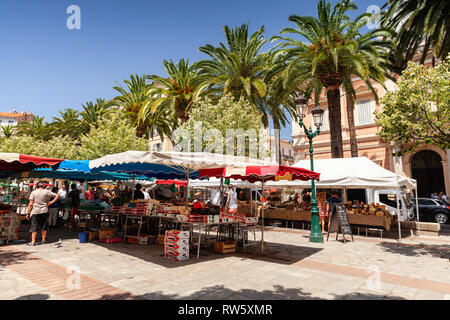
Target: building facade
13 118
427 164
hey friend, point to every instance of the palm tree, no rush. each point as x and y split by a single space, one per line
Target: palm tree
68 123
418 22
174 94
237 67
132 98
336 52
7 131
37 128
93 112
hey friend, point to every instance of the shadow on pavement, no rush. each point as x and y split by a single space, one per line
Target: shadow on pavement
8 258
220 292
416 250
34 297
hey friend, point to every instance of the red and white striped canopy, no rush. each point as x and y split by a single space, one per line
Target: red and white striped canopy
261 173
15 162
176 182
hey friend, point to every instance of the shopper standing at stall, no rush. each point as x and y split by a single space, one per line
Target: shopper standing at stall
323 206
89 194
335 198
74 200
37 211
231 203
53 211
138 194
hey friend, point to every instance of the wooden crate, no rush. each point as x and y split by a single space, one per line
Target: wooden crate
228 246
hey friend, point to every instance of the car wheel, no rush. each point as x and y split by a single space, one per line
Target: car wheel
440 218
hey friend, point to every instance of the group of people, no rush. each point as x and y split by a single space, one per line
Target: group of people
441 196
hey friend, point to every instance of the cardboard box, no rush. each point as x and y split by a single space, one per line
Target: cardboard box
176 257
176 240
92 234
168 247
160 239
143 240
177 233
104 234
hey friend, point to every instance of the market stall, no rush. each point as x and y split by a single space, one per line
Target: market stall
262 174
354 173
173 165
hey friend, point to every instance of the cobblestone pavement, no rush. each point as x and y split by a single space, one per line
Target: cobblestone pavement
291 268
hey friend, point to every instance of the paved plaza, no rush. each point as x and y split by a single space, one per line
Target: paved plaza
291 268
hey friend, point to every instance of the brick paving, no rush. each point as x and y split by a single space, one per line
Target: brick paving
291 268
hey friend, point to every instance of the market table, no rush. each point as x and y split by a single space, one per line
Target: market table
370 221
87 211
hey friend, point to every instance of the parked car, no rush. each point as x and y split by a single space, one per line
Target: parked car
436 210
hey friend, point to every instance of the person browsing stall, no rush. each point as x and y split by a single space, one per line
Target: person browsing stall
38 211
231 203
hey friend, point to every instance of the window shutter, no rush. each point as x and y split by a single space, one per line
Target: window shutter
364 112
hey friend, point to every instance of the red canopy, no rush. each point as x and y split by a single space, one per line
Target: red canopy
14 162
261 173
176 182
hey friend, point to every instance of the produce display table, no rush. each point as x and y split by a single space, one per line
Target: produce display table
354 219
140 219
90 213
370 221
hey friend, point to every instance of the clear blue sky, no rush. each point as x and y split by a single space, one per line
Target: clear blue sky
45 67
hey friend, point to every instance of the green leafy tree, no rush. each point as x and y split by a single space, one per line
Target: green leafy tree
38 128
336 52
93 113
68 123
7 131
173 95
132 98
220 116
239 66
418 22
114 134
419 111
55 147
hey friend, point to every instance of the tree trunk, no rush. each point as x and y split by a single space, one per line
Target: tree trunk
277 143
351 126
334 115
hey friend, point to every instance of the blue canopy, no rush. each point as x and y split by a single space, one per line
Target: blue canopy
81 175
158 171
80 165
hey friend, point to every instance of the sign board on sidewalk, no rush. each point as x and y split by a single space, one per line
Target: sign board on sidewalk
339 222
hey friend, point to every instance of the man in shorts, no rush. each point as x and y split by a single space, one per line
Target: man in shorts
38 211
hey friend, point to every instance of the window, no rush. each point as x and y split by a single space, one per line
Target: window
364 112
325 125
426 202
10 121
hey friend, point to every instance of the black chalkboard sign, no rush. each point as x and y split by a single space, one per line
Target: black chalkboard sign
339 222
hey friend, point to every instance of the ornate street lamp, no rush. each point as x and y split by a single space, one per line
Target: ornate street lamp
317 114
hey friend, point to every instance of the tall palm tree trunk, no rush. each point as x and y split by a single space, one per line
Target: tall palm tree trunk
277 143
334 106
351 126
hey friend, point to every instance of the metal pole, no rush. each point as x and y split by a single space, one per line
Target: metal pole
132 190
316 231
398 216
262 216
8 195
417 210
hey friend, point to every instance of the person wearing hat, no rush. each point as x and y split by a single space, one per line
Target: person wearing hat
38 212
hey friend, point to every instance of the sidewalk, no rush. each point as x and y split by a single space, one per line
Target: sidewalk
291 268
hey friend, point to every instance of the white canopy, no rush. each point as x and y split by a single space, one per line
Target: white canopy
188 160
358 173
215 183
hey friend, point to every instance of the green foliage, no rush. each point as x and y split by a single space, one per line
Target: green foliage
113 135
225 114
56 147
418 22
173 96
419 111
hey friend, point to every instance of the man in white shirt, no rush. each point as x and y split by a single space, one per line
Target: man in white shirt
62 192
146 194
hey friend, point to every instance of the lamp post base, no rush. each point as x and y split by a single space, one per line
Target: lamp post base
316 237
